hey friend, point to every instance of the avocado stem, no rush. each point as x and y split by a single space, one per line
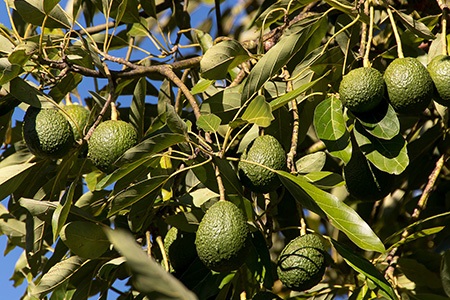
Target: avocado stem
444 30
396 34
114 114
366 62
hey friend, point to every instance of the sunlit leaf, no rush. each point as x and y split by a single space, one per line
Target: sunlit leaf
390 156
34 12
62 210
311 163
148 276
8 71
209 122
258 112
340 214
383 124
415 26
329 123
12 176
221 58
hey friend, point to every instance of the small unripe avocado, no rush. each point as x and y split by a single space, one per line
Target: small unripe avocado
364 181
267 151
180 248
47 133
222 238
109 141
79 117
302 262
362 89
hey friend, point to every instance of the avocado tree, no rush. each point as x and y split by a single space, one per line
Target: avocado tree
123 122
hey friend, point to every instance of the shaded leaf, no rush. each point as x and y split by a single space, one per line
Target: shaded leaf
9 225
148 276
8 71
258 112
23 91
58 274
12 176
209 122
313 162
137 107
134 193
278 56
417 27
418 273
329 123
221 58
445 272
62 210
224 104
85 239
340 214
390 156
363 266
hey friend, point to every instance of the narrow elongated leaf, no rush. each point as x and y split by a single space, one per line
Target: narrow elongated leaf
278 56
329 123
209 122
136 192
445 272
340 214
9 225
23 91
258 112
85 239
363 266
12 176
150 146
282 100
148 276
58 274
390 156
137 107
62 210
417 27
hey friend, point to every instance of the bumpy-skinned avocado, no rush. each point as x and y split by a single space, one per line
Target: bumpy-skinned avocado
79 117
180 248
47 133
362 89
267 151
439 69
222 238
302 263
409 85
109 141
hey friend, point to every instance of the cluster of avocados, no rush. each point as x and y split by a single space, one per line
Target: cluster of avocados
50 133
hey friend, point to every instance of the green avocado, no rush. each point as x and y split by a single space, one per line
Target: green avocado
302 262
180 248
439 69
79 117
109 141
47 133
222 238
265 150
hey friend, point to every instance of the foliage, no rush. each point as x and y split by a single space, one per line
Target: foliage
198 91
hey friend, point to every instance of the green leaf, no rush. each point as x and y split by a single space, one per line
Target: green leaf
23 91
278 56
149 7
329 123
390 156
137 107
259 262
286 98
85 239
221 58
325 179
363 266
209 122
49 5
419 273
9 225
8 71
12 176
62 210
340 214
134 193
417 235
58 274
224 104
258 112
445 272
383 124
313 162
152 145
417 27
34 12
148 276
201 86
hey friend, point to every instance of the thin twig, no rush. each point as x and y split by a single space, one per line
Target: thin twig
398 40
219 183
160 243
